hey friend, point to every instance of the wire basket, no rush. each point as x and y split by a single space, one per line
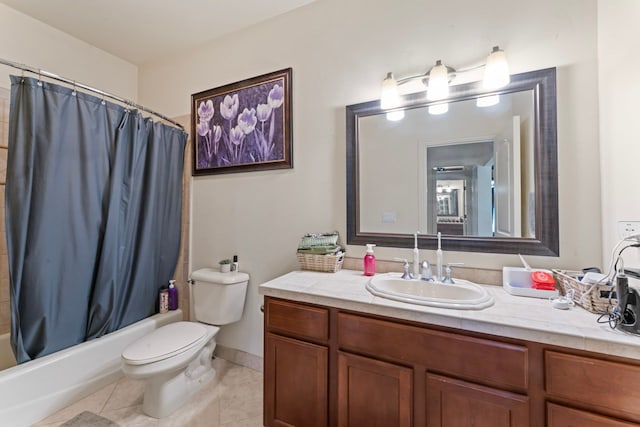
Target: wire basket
326 263
592 297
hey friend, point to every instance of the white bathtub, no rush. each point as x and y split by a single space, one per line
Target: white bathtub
31 391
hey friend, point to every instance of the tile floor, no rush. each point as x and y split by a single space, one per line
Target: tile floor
232 399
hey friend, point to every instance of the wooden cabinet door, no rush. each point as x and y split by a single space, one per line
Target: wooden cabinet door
296 383
373 393
561 416
455 403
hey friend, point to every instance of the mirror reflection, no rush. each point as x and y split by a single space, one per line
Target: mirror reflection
467 172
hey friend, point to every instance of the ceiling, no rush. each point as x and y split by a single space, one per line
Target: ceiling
141 30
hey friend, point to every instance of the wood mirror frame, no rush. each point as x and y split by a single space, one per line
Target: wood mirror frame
546 240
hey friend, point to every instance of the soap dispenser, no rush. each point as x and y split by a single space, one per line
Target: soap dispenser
369 261
173 295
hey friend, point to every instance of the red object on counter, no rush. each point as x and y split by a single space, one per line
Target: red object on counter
543 280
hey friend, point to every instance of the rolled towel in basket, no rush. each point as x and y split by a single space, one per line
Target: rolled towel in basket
320 239
320 250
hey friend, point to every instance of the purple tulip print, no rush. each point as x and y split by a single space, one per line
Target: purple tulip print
242 127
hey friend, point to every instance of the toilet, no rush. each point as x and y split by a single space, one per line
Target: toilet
174 361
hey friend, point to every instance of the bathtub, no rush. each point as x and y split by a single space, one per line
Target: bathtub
31 391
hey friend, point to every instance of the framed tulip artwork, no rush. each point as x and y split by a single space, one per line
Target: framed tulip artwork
243 126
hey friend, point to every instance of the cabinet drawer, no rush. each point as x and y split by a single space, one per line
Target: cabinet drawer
611 386
485 361
296 319
561 416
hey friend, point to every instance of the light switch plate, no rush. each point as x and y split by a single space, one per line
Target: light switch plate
628 228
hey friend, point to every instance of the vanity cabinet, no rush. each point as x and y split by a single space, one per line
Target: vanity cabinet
296 370
326 366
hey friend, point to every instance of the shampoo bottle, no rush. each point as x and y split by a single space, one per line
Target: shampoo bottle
369 261
164 300
173 295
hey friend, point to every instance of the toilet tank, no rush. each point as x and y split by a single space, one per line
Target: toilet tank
218 298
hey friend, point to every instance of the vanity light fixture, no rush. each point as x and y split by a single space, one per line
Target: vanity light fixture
390 96
496 71
438 78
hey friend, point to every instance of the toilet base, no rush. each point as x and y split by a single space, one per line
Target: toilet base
165 393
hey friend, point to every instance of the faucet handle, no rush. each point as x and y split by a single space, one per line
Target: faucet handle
447 272
406 275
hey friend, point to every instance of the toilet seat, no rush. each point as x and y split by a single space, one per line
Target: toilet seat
165 342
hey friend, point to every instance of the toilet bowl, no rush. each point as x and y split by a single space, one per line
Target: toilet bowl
174 361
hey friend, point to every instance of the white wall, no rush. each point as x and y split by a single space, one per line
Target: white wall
28 41
340 51
619 88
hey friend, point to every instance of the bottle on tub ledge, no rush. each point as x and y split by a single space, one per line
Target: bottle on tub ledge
369 261
163 303
173 295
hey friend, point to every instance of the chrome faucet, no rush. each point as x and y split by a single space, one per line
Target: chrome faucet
425 271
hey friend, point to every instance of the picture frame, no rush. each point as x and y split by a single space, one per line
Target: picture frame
243 126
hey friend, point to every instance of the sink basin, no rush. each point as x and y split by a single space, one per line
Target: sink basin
463 295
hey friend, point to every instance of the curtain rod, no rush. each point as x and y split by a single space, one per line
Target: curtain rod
125 101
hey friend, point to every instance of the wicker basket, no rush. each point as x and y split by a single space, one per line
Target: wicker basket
592 298
327 263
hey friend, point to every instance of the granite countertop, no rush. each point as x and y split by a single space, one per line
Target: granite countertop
531 319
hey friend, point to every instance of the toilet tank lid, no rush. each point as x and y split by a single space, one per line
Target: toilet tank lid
213 276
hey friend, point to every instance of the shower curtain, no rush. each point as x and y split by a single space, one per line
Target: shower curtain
93 211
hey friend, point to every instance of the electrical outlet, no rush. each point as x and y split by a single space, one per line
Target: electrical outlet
628 228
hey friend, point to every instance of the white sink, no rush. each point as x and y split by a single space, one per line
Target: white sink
463 295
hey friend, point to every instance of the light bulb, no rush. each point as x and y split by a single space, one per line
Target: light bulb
395 116
389 96
438 109
487 101
438 86
496 72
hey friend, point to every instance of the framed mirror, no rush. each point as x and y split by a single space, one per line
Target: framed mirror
483 172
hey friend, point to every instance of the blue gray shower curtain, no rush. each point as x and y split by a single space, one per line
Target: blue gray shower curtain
93 211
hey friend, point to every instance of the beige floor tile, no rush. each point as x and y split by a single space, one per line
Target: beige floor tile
199 415
246 391
94 403
232 399
127 393
232 374
249 422
239 410
130 417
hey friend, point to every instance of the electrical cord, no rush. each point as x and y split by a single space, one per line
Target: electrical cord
615 317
